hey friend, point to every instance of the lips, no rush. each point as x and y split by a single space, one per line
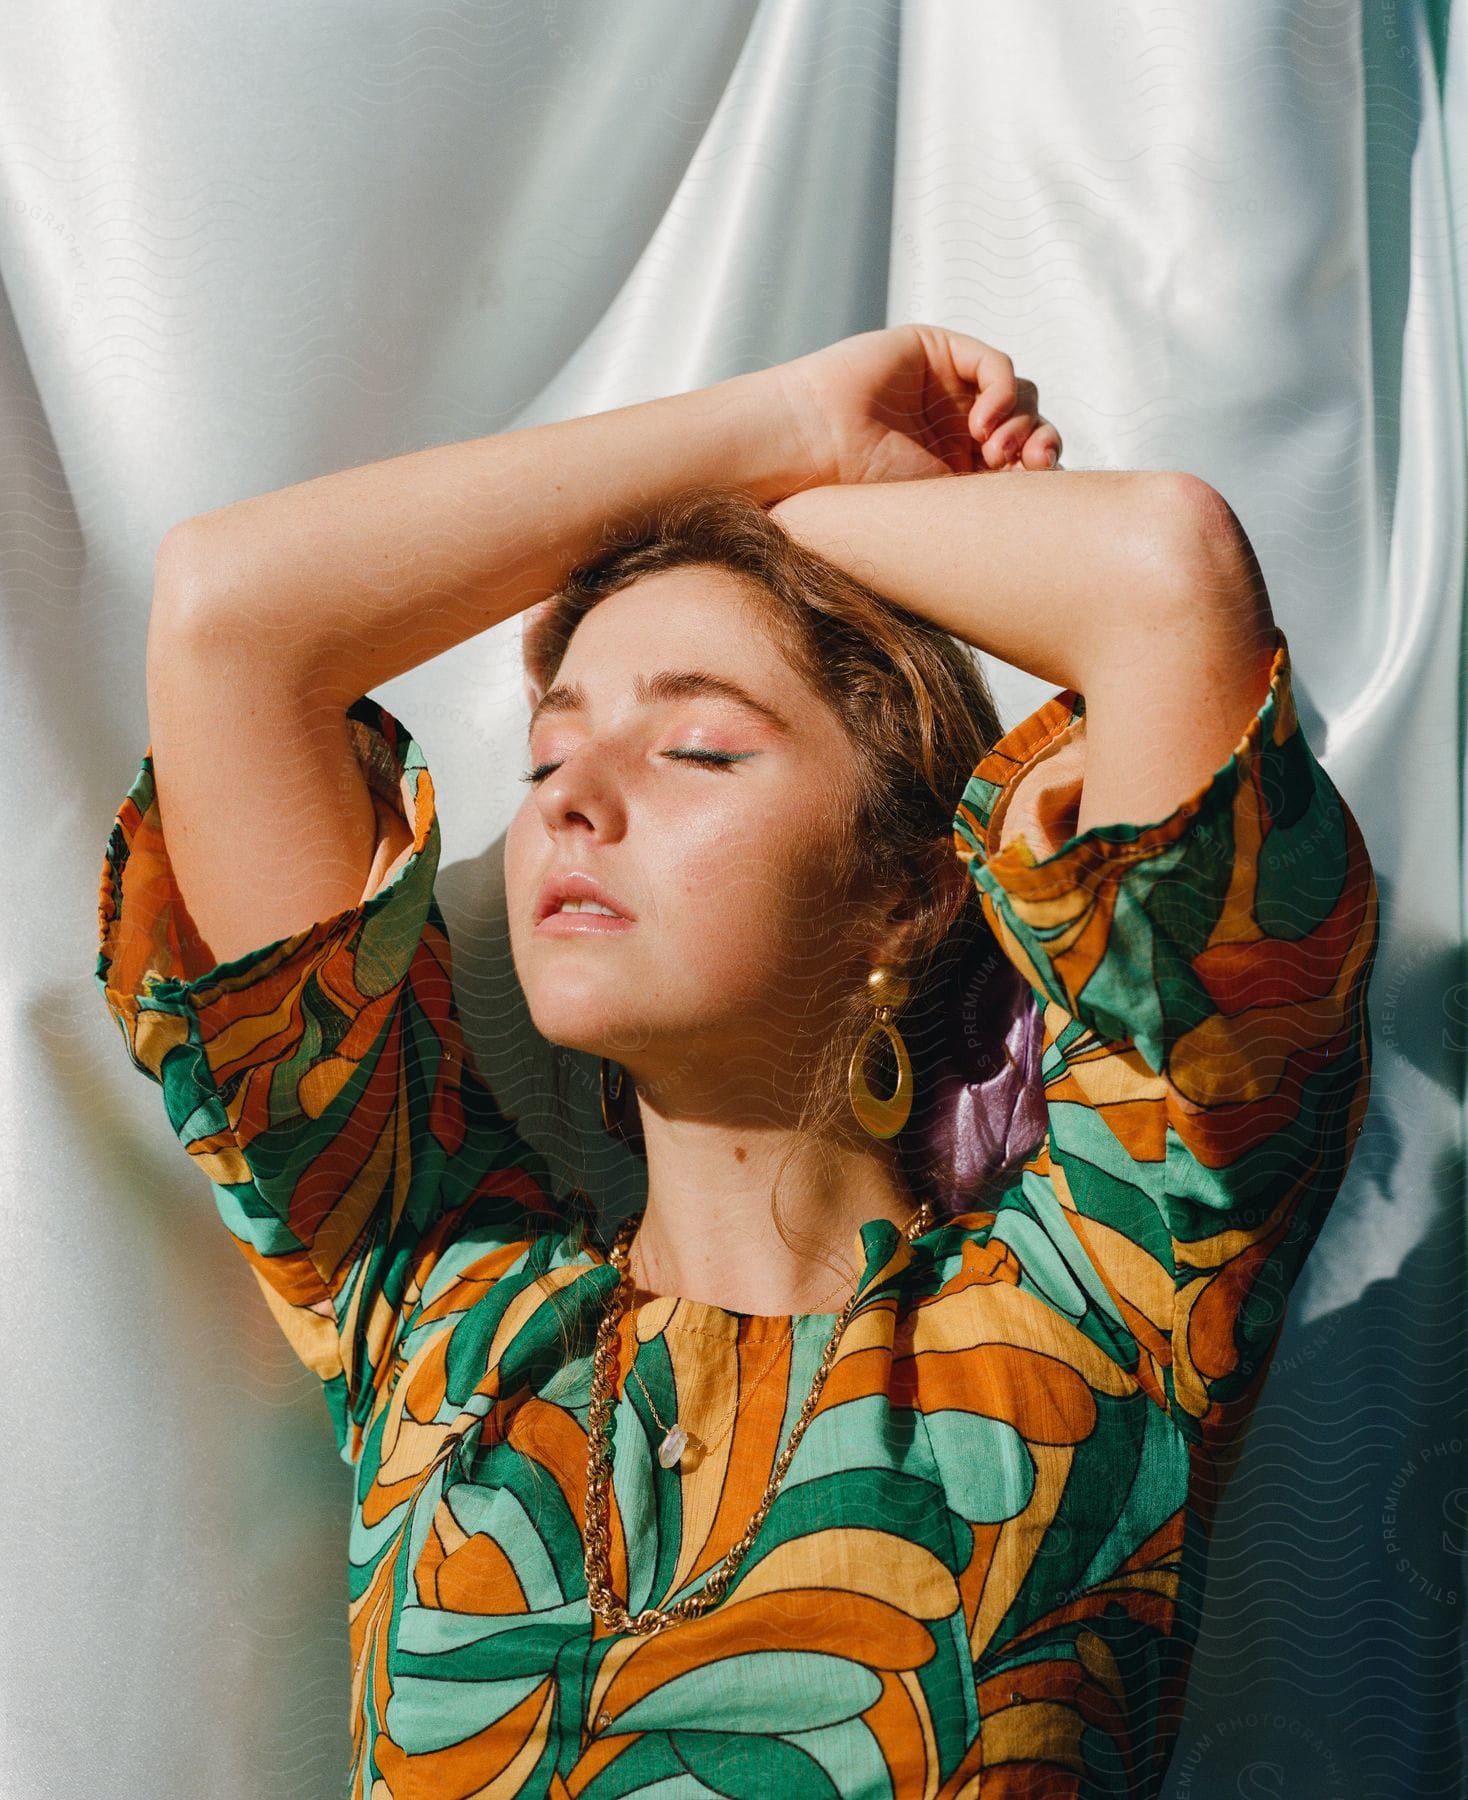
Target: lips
573 884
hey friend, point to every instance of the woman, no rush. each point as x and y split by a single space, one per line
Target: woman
834 1470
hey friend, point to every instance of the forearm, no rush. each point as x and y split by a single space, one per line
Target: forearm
352 578
1139 589
1048 571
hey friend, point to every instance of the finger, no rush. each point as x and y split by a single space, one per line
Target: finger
1041 449
1009 428
1025 428
1005 446
989 370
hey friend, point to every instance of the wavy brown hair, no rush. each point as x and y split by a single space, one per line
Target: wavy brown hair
919 715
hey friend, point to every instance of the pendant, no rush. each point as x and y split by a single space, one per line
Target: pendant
675 1444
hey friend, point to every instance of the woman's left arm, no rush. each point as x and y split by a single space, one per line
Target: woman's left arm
1138 589
1163 858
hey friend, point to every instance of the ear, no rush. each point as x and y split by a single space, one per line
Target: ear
899 940
898 944
915 924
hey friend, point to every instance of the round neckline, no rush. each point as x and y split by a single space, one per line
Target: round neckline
875 1243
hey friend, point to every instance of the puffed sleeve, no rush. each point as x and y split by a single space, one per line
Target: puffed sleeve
322 1082
1207 1046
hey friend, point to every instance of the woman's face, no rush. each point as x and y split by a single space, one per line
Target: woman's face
732 943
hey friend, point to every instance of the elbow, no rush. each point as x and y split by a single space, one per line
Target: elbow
1204 566
186 578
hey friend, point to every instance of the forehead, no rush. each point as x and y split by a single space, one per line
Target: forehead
697 606
693 618
686 619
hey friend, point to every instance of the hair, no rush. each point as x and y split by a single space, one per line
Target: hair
917 710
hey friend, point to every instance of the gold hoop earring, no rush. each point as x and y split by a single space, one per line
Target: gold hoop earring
618 1113
613 1099
882 1118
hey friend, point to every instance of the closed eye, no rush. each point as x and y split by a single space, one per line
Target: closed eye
714 759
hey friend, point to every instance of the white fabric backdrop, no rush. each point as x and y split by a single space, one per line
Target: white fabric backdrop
245 245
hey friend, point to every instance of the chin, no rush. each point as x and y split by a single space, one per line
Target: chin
577 1019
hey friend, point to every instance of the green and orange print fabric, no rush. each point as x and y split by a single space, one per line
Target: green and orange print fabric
983 1569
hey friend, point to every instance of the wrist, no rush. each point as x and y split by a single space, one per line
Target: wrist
763 438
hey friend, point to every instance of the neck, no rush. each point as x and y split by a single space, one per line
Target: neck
709 1233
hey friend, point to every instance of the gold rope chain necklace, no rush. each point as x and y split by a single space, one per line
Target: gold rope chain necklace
603 1602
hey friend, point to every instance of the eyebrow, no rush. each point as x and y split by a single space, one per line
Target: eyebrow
666 684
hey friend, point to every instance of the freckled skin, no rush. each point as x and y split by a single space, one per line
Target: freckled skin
742 957
740 948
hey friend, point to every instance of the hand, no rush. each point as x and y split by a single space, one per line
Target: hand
913 401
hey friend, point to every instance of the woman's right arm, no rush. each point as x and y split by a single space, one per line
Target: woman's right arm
303 1031
272 614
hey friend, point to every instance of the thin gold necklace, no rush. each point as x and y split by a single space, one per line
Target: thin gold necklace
597 1561
678 1441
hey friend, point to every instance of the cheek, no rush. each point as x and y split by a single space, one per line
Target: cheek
521 878
736 916
514 844
752 906
512 862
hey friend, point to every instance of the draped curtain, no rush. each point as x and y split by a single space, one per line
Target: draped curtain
246 245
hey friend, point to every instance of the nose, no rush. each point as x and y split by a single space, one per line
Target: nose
581 794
